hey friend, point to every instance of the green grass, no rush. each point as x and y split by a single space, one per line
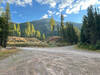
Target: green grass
87 48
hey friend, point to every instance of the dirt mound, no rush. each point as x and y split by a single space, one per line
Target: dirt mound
54 39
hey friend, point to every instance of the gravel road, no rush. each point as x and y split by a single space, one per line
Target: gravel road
51 61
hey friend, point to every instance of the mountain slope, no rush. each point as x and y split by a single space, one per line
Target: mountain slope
44 27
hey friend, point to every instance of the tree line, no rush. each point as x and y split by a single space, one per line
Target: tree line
90 31
29 31
67 32
89 35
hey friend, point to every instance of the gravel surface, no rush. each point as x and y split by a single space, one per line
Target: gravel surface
51 61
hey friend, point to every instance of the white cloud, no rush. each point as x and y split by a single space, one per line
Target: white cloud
71 6
81 5
52 3
45 16
51 13
63 4
19 2
58 13
65 15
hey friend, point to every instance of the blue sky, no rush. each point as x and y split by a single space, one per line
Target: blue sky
29 10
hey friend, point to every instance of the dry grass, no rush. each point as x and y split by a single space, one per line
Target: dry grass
25 42
7 52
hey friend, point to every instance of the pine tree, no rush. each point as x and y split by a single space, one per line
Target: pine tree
97 26
3 32
8 12
62 26
70 36
89 29
90 32
52 24
91 25
85 31
5 27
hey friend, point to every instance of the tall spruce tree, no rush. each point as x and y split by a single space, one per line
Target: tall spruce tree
62 26
97 26
3 32
70 36
84 38
8 12
91 25
5 26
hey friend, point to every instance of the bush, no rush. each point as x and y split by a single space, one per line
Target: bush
98 45
89 46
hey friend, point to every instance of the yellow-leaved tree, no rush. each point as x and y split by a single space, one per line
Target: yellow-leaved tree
52 23
33 30
18 30
43 36
15 30
38 34
28 29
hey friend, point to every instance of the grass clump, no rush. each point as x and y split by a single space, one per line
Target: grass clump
7 52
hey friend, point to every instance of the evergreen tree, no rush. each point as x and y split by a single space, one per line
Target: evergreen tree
70 36
8 18
52 24
62 26
97 26
90 32
85 31
91 25
4 26
8 12
3 32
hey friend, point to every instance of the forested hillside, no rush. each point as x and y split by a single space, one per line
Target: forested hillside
43 25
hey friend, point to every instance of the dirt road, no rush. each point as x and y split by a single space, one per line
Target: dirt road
51 61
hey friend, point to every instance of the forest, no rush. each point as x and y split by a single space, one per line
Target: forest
87 36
